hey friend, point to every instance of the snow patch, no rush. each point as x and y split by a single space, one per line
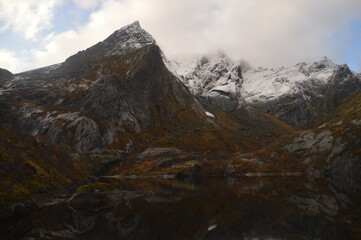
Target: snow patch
71 116
210 115
50 68
356 122
211 227
29 109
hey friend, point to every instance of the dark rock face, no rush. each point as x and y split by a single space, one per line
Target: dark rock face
4 76
339 161
345 169
343 84
331 149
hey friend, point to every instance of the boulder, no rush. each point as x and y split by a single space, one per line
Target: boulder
192 170
168 162
159 153
18 210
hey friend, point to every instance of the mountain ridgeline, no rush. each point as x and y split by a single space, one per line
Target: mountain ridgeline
120 107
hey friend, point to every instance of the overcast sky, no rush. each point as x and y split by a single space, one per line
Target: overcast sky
269 33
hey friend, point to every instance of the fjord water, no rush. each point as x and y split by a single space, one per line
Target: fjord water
244 208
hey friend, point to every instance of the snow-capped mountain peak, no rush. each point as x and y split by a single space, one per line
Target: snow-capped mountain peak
325 62
317 66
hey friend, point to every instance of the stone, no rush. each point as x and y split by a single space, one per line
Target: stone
191 171
230 170
169 162
159 153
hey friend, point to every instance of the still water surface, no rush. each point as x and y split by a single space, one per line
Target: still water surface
246 208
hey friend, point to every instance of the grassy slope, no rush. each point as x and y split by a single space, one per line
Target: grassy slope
24 168
215 139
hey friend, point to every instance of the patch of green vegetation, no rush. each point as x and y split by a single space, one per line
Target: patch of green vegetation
28 167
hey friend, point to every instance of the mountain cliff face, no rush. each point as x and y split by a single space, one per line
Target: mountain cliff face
299 95
90 99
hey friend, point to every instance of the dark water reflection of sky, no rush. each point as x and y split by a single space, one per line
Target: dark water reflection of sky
247 208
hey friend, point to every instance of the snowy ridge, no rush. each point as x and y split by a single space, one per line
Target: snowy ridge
217 74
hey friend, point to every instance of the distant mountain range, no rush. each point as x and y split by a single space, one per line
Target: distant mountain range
121 107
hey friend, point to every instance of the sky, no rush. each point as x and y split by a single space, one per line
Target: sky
268 33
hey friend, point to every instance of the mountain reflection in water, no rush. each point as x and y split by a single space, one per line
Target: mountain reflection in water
247 208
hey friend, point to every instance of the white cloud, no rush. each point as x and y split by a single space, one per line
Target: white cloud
9 60
27 17
268 33
87 4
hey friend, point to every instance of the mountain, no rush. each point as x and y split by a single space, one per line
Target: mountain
88 101
121 107
299 95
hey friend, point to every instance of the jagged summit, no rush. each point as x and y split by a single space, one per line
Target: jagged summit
127 38
130 27
319 65
122 41
327 61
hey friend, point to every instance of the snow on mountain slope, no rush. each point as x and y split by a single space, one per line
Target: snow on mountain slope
209 75
214 76
184 64
261 85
